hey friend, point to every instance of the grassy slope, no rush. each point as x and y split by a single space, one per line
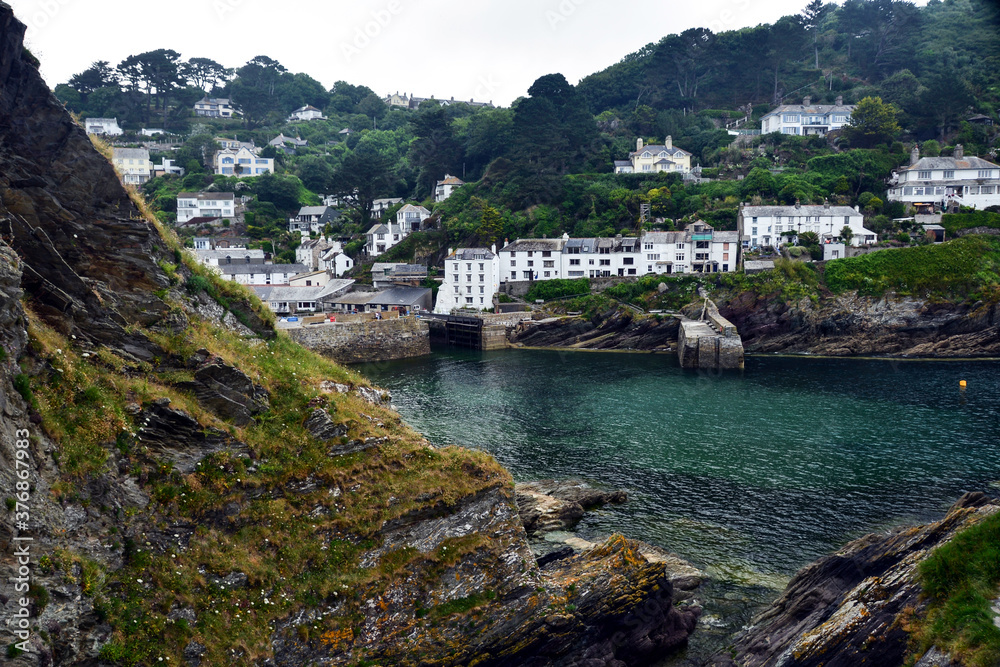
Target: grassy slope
292 554
961 579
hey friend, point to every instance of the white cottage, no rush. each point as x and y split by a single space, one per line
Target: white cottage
471 278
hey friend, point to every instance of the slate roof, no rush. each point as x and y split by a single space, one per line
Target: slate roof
399 296
812 109
812 211
451 180
726 237
131 154
931 163
240 269
661 238
206 195
521 245
469 254
354 298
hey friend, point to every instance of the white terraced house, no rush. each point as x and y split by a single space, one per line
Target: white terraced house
532 259
205 205
471 278
807 118
762 226
945 182
601 257
697 249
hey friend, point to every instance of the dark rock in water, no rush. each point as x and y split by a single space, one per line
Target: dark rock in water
549 505
322 426
852 608
613 330
179 437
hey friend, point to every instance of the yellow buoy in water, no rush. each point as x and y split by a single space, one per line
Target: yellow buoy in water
961 383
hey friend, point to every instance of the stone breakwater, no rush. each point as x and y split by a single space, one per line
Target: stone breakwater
362 342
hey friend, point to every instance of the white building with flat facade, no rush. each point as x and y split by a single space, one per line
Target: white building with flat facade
946 182
697 249
205 205
471 278
762 226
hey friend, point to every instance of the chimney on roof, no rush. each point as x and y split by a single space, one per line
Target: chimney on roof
959 151
806 100
915 154
798 204
669 143
826 204
840 100
638 144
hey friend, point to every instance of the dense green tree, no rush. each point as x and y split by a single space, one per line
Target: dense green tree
152 72
367 173
205 74
345 98
98 75
255 89
812 16
873 122
282 190
435 151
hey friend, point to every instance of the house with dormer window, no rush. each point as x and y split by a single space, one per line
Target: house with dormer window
807 118
931 183
654 158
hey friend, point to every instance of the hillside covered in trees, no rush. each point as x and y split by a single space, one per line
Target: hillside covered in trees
544 165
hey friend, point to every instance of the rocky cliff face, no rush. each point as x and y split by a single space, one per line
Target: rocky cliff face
856 606
204 492
615 330
854 325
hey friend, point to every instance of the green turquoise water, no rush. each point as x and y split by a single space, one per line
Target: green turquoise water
750 474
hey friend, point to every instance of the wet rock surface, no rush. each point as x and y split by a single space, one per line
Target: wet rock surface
851 325
549 505
852 607
609 331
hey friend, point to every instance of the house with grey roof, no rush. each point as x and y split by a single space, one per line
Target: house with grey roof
807 118
229 256
771 226
288 145
699 248
383 236
471 278
941 183
655 158
261 274
532 259
404 299
312 219
133 164
410 217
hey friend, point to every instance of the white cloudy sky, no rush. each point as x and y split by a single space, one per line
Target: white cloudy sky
482 49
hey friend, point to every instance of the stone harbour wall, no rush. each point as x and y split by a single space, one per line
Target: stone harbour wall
380 340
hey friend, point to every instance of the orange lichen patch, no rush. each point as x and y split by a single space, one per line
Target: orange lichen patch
337 637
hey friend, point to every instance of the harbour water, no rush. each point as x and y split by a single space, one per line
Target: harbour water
749 475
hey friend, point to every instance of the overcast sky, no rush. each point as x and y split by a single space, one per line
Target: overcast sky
481 49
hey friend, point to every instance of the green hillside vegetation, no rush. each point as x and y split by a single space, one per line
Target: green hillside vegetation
543 166
964 268
960 580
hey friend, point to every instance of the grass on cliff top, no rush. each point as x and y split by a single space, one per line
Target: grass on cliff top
961 579
963 269
298 548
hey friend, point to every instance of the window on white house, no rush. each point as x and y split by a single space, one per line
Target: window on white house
949 173
985 173
923 175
